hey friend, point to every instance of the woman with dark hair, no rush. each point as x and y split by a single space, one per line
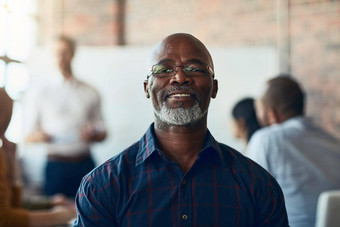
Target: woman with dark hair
244 119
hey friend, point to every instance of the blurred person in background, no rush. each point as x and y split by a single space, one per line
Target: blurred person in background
244 120
303 158
67 116
178 174
11 211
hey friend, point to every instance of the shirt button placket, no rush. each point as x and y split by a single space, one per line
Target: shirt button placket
186 199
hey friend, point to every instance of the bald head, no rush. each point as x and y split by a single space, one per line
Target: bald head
6 105
284 95
171 43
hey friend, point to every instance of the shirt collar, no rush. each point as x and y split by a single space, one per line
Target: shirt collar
148 145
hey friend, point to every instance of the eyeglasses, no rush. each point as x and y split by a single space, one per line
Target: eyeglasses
191 70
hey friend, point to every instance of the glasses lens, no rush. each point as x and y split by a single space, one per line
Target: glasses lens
196 69
163 70
192 69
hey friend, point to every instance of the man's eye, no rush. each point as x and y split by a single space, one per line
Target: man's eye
196 69
166 70
163 70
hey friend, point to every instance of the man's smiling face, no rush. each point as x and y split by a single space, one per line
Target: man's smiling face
181 99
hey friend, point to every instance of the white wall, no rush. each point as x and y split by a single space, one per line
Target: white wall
118 75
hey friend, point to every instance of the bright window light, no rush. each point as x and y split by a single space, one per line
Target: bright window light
19 37
17 79
22 6
2 74
3 2
18 6
3 30
18 29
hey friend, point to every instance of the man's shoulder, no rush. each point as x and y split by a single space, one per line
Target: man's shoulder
270 131
290 127
268 135
86 86
119 165
249 175
244 166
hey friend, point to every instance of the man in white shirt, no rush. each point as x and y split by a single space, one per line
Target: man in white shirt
303 158
66 115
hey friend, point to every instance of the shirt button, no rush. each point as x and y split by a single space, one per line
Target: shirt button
184 182
184 217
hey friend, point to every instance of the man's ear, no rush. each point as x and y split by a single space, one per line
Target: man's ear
146 89
273 116
215 89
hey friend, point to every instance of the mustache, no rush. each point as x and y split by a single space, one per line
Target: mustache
180 88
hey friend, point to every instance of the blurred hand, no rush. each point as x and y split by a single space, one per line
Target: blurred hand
58 215
38 136
64 213
93 133
59 199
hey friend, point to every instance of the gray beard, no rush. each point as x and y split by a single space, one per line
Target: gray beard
179 116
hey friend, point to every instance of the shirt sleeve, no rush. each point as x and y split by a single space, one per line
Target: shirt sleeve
9 216
95 115
272 207
94 208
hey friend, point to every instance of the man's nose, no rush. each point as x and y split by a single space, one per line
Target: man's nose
180 77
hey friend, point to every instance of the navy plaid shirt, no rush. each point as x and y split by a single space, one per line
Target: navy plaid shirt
141 187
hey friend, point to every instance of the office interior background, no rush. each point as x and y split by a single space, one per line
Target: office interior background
250 42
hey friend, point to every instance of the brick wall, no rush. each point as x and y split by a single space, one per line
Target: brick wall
91 22
315 58
217 22
307 33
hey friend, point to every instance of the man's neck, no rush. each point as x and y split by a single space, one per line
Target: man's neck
67 73
181 143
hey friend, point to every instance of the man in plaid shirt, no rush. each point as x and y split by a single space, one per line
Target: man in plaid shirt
178 174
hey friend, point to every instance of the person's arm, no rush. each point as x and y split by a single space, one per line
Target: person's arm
93 133
57 216
11 216
32 130
271 208
8 215
94 130
37 136
13 176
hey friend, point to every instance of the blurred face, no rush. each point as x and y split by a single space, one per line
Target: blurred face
261 112
181 100
238 128
64 55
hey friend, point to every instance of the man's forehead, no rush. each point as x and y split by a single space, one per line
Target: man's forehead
181 45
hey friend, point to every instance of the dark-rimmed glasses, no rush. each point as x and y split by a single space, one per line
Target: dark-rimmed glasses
192 69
